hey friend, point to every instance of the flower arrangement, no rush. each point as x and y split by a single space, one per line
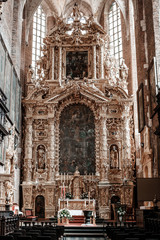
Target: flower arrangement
68 195
121 212
84 195
64 213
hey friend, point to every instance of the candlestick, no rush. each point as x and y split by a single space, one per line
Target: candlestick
67 179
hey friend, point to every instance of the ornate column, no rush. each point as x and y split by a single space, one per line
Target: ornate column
53 63
28 150
127 145
103 143
60 66
102 61
2 192
94 63
51 150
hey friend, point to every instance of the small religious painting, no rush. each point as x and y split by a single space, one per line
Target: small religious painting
77 64
141 116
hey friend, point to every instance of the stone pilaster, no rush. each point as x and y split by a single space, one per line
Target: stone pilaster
103 143
102 62
51 150
28 150
60 66
94 63
53 63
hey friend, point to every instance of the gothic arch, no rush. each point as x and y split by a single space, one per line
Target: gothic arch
84 7
105 6
30 9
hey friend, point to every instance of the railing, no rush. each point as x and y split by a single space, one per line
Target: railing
7 225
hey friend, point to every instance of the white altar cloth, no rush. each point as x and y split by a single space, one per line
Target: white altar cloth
76 212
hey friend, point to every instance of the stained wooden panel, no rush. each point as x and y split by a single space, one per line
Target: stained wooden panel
77 140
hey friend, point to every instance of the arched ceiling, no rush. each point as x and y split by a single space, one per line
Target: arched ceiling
63 8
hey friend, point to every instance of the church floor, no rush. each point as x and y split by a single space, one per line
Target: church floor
83 238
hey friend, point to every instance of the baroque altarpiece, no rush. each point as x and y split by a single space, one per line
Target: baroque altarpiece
78 129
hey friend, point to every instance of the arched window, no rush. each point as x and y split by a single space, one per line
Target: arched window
39 32
115 31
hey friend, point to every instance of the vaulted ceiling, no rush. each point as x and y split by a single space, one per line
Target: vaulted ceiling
63 8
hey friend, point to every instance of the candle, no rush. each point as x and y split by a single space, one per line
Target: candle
61 191
64 177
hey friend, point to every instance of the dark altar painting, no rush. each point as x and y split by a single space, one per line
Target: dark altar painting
77 140
40 206
77 64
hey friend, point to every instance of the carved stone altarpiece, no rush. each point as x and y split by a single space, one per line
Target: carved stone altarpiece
83 119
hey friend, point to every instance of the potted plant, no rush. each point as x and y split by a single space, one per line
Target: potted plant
120 213
68 195
64 215
84 195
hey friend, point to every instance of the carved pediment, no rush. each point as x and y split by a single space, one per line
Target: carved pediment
78 91
48 95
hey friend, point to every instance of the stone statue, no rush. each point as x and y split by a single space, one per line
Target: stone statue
41 157
30 74
76 12
9 190
123 70
114 158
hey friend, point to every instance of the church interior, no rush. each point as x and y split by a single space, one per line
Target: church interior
79 119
